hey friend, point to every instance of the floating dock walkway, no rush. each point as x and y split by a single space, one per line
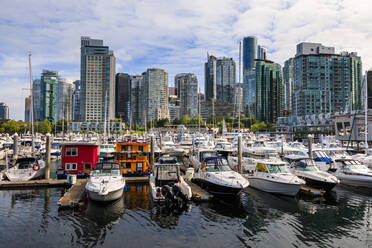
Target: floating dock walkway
33 183
74 196
198 194
311 191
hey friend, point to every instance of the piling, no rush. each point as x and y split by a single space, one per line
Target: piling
152 147
160 141
6 160
47 156
240 154
310 146
15 146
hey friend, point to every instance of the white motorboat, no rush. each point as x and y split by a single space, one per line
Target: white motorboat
167 184
26 169
353 173
273 176
216 177
306 169
106 182
107 150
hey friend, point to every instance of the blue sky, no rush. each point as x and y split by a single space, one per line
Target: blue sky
171 34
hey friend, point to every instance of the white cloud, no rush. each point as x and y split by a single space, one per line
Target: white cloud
172 34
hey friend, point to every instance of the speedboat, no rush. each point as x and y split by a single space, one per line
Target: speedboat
167 184
26 169
353 173
306 169
273 176
216 177
106 182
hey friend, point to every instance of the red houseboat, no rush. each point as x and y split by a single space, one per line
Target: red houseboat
78 159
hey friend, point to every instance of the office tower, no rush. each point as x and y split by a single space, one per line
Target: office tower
64 102
36 93
97 78
49 94
220 79
122 96
28 109
76 101
187 90
249 92
269 82
174 107
136 100
325 82
369 88
288 79
172 91
155 94
4 111
249 52
261 52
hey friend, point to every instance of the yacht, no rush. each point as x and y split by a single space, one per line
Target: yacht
353 173
106 182
216 177
107 150
167 184
26 169
273 176
306 169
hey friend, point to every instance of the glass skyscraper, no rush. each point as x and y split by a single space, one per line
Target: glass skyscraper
122 96
49 95
249 52
187 91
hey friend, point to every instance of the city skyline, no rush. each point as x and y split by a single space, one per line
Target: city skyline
175 46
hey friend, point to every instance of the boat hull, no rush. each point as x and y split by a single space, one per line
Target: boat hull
274 187
356 181
111 196
216 189
26 175
327 186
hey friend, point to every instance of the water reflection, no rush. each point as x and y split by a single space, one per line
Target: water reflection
105 214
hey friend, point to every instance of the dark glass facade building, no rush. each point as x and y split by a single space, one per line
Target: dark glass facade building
122 96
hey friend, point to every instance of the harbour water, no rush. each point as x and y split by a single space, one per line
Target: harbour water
30 218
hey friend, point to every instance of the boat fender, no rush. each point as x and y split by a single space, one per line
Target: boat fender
36 167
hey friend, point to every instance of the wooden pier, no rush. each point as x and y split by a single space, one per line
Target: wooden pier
33 184
311 191
74 196
198 194
144 179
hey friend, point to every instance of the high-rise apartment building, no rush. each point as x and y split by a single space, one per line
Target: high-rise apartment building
155 94
220 79
36 95
136 100
288 78
261 52
64 99
97 78
324 82
49 94
269 80
4 111
122 96
76 101
28 109
187 90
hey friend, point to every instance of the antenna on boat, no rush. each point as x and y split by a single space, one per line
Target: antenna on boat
32 103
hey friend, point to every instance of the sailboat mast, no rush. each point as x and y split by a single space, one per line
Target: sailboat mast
199 109
105 119
32 103
240 80
366 113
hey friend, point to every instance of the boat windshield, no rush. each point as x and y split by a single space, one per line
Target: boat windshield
306 165
105 173
277 168
354 165
216 165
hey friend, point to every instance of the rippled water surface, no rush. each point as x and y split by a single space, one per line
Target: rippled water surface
30 218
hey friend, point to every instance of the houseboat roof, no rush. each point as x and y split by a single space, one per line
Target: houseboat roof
131 143
80 144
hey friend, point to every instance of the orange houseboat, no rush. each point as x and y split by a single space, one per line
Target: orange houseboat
133 158
78 159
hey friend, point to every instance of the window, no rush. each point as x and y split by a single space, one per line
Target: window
71 151
126 165
87 166
140 148
70 166
139 165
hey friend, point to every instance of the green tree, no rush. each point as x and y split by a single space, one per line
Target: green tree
259 127
185 120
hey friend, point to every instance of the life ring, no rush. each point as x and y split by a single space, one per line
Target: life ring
36 167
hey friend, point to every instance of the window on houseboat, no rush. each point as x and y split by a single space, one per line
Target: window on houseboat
71 151
127 165
87 166
139 165
140 148
70 166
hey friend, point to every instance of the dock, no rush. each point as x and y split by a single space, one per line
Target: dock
311 191
74 196
32 184
144 179
198 194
